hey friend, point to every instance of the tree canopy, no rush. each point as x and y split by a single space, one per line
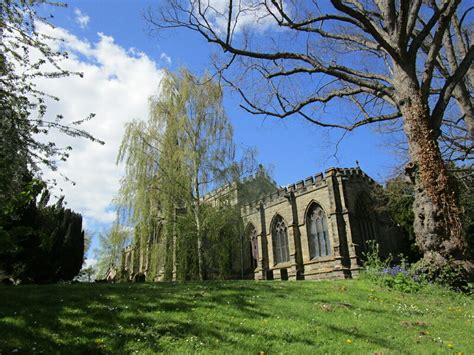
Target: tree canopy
25 56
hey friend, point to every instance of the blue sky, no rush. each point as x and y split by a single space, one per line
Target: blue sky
122 64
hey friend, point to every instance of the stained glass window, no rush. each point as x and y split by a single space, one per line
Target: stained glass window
281 251
318 235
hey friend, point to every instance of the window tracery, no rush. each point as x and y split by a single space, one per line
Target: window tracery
281 251
318 235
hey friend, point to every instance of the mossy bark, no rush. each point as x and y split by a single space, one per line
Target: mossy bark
437 222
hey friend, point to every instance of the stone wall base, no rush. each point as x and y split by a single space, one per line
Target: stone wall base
320 274
329 275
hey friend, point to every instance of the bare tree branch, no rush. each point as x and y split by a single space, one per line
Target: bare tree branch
449 86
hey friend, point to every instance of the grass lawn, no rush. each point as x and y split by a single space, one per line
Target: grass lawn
234 317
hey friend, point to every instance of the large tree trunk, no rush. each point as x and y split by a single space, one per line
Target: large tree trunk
437 224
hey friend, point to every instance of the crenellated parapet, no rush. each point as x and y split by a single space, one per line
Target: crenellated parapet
275 197
218 192
312 182
353 174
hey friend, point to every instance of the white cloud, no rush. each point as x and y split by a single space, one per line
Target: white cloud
165 58
81 18
90 262
245 13
116 86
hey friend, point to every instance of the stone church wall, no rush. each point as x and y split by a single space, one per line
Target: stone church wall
337 193
343 196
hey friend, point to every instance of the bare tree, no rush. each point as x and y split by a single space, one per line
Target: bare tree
390 60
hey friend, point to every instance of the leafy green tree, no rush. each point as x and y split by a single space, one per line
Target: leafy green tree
48 238
466 197
206 146
182 152
224 239
25 56
140 200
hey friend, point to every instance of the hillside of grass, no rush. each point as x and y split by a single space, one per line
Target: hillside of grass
234 317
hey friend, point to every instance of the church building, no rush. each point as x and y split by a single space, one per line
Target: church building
317 228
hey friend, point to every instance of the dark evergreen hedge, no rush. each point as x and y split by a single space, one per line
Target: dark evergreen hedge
40 243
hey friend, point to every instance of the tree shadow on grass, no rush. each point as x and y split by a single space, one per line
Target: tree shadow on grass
108 318
122 318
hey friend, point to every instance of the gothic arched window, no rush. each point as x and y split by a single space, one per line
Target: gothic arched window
250 248
254 247
281 252
318 235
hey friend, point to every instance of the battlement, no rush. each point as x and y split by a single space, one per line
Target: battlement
220 192
283 192
350 173
310 182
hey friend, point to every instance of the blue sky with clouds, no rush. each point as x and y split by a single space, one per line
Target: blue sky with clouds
122 63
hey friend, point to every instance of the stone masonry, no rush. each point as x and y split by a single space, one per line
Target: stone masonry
344 196
317 228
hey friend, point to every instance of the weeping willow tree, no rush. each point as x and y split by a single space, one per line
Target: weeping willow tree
207 147
138 197
183 151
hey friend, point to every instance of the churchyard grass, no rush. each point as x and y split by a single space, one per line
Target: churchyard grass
333 317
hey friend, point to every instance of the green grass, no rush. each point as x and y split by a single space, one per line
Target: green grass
234 317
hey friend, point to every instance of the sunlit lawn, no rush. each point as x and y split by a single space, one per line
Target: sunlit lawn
233 317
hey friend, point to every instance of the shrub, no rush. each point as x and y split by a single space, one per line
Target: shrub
449 275
402 279
399 277
411 278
